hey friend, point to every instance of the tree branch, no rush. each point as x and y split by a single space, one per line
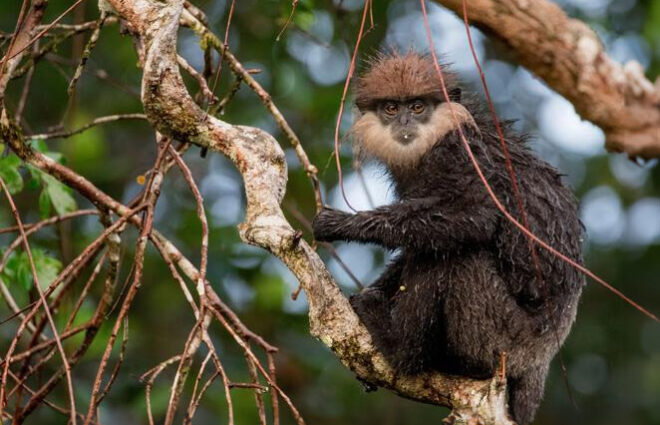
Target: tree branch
570 58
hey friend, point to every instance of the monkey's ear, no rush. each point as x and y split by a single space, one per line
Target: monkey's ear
455 94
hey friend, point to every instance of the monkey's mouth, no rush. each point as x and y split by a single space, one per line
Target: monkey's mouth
406 137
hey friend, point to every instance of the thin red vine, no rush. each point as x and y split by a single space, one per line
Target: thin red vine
351 71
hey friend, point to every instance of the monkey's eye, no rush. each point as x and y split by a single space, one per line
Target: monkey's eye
417 107
391 108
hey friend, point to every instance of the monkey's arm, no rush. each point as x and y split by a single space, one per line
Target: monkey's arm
426 224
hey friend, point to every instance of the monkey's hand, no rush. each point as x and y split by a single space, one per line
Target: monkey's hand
328 223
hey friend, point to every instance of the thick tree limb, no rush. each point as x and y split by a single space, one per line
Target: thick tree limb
261 161
570 58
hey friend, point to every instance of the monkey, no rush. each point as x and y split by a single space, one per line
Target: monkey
464 284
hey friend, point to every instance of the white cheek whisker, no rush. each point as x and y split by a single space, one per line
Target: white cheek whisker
373 139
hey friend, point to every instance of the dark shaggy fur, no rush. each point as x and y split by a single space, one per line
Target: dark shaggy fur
463 287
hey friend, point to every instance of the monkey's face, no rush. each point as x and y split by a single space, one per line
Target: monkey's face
400 132
404 117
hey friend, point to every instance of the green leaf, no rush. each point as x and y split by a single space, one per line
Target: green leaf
55 156
10 174
40 145
23 274
60 195
10 268
47 267
45 206
11 161
306 5
18 269
304 19
35 173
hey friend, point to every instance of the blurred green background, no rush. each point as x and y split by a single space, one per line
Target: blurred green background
613 354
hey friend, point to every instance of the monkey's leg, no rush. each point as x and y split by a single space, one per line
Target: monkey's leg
373 304
417 326
483 320
525 394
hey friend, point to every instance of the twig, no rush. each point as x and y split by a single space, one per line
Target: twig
199 202
46 344
192 344
101 74
26 90
501 372
219 108
75 28
175 274
275 405
95 122
225 45
120 360
196 12
249 385
91 43
69 273
192 406
82 27
225 382
85 290
113 242
258 398
153 374
17 312
208 94
294 5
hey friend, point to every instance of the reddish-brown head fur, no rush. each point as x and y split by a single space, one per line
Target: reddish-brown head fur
393 76
396 76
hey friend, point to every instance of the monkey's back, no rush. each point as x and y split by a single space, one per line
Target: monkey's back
493 297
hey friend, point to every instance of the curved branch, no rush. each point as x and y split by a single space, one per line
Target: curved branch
261 162
570 58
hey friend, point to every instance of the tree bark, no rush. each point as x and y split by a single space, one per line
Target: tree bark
569 57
